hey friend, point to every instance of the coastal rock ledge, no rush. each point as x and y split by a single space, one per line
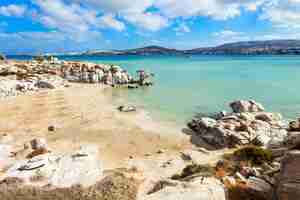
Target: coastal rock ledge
247 124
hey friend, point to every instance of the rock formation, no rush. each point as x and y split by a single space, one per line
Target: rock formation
248 124
289 179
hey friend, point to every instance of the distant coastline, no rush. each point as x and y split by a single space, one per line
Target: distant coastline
268 47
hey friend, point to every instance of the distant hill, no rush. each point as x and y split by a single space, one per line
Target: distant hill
252 48
269 47
149 50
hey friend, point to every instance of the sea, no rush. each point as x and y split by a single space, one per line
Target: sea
185 86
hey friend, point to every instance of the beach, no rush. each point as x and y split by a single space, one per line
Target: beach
84 114
73 129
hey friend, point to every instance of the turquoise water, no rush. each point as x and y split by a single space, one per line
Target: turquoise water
184 86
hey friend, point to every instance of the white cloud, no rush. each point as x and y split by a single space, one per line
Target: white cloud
111 22
283 13
181 29
119 6
216 9
147 21
13 10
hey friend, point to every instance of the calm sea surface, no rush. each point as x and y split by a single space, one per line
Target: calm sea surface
205 84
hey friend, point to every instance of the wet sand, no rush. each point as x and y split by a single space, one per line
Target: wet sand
85 114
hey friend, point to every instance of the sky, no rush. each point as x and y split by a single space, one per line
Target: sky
45 26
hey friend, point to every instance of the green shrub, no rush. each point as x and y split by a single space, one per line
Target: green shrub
256 155
193 169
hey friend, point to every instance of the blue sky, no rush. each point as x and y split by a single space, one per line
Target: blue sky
77 25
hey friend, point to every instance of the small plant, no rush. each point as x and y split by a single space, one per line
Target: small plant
256 155
193 169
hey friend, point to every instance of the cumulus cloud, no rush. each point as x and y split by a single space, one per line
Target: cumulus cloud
148 21
82 21
283 13
119 6
13 10
216 9
110 21
181 29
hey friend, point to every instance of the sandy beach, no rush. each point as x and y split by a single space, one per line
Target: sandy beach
84 114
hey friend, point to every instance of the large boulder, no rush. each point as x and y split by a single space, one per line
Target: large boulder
79 168
246 106
289 179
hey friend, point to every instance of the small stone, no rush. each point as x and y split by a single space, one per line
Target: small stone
160 151
39 143
51 128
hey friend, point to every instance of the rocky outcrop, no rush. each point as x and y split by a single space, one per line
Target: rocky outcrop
248 124
246 106
289 179
79 168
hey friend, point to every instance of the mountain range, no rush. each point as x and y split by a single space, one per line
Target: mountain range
269 47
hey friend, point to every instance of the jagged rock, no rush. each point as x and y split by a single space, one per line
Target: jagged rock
294 126
259 189
293 139
250 126
289 178
246 106
268 117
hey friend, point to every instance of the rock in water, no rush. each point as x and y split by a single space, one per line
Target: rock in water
289 179
246 106
127 108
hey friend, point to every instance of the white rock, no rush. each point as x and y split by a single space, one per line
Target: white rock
210 189
82 167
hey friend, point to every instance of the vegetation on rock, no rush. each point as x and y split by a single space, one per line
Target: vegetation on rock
256 155
194 169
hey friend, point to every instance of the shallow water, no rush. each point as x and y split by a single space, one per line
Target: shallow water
184 86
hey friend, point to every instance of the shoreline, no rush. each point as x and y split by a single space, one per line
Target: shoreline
81 116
